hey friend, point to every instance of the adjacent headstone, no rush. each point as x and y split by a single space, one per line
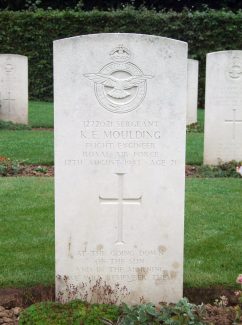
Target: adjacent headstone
223 108
14 88
120 119
192 91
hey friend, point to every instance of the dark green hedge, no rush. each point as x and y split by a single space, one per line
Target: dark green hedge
32 33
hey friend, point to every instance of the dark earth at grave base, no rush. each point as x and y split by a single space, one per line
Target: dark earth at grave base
226 170
14 300
45 170
11 297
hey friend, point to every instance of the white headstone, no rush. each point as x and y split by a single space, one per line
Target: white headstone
120 106
223 107
14 88
192 91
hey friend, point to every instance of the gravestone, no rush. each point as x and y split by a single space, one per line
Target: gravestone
14 88
223 107
120 105
192 91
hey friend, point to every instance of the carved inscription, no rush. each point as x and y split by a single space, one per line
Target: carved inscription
228 96
128 265
120 143
235 69
9 67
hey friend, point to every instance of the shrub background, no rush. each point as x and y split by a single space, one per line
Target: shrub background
32 33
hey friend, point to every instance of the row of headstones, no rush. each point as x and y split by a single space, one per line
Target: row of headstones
223 132
14 89
120 130
120 111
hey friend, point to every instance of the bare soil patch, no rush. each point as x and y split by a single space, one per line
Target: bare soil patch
45 170
42 129
192 171
14 300
30 170
11 297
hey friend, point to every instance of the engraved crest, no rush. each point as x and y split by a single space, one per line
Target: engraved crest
120 86
9 67
235 69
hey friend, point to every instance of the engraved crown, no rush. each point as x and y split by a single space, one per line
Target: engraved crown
120 54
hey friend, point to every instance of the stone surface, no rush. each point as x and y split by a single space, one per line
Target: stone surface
192 91
14 88
120 120
223 108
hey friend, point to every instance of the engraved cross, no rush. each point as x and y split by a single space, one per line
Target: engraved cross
120 201
234 121
9 99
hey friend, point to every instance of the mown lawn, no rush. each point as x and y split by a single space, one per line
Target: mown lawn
30 147
213 241
41 114
27 231
194 148
200 118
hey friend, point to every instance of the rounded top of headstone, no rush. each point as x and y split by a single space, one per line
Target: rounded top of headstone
131 36
226 52
9 56
229 63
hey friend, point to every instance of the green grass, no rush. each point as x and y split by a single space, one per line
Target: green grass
75 312
41 114
32 147
200 118
27 231
213 242
194 148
